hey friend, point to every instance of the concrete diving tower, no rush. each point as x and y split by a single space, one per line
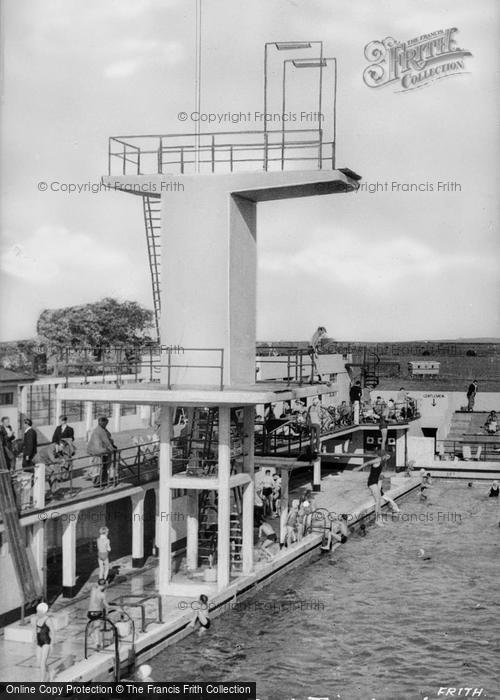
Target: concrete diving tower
206 188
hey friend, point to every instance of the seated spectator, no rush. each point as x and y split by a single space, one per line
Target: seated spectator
379 405
491 425
267 538
335 536
369 415
344 413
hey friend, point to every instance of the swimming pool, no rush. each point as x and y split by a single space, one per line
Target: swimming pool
374 620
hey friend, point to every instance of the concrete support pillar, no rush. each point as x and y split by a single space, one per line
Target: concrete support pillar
317 474
401 448
116 418
138 530
69 556
192 531
284 504
145 414
164 531
157 519
59 404
223 511
247 535
88 417
23 400
38 550
39 485
249 440
249 489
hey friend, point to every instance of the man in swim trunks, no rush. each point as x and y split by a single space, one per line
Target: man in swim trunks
267 485
373 484
314 423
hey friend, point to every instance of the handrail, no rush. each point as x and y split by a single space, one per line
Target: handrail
233 144
115 640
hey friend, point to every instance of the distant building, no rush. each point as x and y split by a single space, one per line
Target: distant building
9 394
421 368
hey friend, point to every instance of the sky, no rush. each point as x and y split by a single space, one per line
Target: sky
386 265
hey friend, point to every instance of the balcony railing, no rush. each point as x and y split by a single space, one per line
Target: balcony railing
290 435
221 152
474 450
77 478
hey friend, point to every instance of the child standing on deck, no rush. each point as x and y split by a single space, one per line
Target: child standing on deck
103 550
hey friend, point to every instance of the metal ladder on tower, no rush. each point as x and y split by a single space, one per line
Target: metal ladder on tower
27 576
152 221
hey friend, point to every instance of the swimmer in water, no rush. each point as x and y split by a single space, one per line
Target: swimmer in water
422 496
201 615
422 555
143 674
362 530
494 490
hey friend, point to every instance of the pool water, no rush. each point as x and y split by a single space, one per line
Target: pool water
373 620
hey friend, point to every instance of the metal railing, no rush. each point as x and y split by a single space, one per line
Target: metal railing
154 361
469 449
295 364
290 435
224 151
81 476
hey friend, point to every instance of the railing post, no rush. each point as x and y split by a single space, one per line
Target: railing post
138 161
213 153
266 149
231 156
221 369
109 156
182 160
320 150
160 156
169 356
124 159
138 464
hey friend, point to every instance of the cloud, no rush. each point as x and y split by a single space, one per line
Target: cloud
144 53
54 254
372 265
122 69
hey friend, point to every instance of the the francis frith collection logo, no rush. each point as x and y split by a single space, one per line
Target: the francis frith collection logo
414 63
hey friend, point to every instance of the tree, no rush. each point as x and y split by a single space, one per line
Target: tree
102 325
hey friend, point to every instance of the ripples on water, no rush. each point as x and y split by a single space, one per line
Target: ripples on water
382 623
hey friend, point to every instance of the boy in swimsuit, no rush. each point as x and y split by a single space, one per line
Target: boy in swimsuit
103 550
44 638
201 615
98 607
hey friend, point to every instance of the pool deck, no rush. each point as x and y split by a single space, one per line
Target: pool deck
341 493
